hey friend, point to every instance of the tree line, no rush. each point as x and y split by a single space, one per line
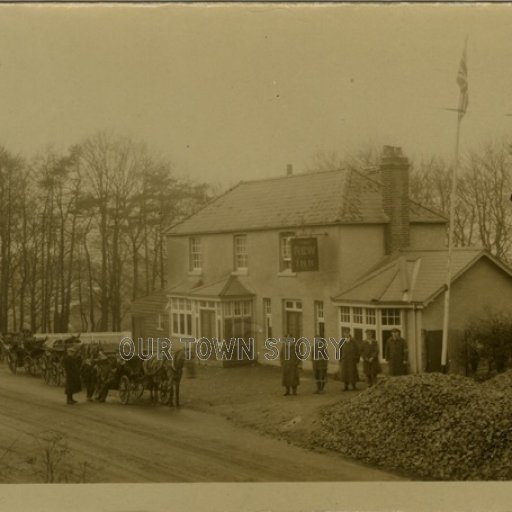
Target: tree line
82 232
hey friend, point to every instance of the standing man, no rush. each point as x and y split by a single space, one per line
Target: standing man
72 363
349 357
370 353
320 362
290 364
396 354
87 371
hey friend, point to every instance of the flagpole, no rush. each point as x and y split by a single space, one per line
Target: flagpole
463 103
453 194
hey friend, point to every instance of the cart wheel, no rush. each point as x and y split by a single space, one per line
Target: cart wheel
59 376
52 371
11 362
47 373
138 390
55 375
164 392
28 365
124 389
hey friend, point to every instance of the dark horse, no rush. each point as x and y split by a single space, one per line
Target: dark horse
163 377
175 372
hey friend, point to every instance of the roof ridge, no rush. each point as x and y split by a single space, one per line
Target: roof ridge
292 176
226 277
444 249
366 277
227 284
392 280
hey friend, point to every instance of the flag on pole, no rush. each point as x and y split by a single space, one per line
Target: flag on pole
462 82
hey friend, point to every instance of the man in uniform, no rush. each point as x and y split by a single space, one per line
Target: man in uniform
72 363
396 354
349 358
290 364
370 353
320 362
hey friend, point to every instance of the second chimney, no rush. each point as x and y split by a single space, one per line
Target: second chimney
394 170
289 169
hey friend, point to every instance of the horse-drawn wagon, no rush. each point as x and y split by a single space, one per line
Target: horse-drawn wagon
25 352
134 376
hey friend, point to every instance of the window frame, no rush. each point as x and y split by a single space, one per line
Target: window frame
195 254
181 317
319 319
267 317
240 257
376 315
285 251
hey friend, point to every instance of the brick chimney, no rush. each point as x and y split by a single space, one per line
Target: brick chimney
289 169
394 170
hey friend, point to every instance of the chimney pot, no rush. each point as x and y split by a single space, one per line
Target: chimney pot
289 169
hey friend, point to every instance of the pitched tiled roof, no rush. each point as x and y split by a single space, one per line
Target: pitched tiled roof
411 276
229 286
343 196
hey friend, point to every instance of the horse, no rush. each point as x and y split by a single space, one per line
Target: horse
163 377
175 373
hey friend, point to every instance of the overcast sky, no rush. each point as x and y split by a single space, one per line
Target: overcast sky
231 92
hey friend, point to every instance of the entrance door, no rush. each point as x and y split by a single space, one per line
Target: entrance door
207 319
207 327
434 342
293 324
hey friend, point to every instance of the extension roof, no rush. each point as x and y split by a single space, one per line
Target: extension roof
412 276
225 288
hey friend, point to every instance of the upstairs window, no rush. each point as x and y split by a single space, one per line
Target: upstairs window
285 251
240 249
195 253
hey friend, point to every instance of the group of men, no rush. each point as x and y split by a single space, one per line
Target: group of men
350 354
82 365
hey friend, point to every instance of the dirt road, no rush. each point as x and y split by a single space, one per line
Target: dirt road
142 443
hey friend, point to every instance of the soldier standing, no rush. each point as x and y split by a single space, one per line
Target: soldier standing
290 364
349 357
320 363
72 363
370 353
87 371
396 354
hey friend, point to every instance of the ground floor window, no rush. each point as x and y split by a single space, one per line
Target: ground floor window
319 319
211 318
181 317
380 321
237 319
267 317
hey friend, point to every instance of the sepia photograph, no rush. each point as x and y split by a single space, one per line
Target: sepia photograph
247 243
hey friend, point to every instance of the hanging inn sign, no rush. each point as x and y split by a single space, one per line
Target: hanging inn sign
304 252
